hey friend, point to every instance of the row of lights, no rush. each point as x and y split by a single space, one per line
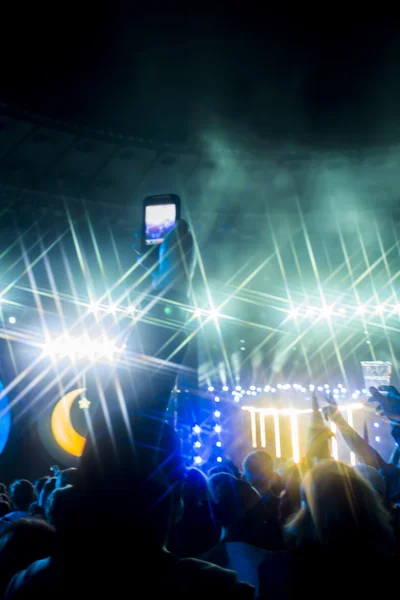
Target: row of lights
239 392
331 311
77 348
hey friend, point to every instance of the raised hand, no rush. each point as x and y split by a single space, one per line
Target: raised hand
175 258
389 402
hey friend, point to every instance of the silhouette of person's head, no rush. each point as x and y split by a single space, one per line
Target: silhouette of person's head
21 544
258 468
5 508
67 477
48 487
22 494
39 483
216 482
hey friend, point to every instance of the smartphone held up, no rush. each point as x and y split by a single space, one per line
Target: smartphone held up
160 214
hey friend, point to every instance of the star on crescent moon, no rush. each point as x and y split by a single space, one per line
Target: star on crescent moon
84 403
63 431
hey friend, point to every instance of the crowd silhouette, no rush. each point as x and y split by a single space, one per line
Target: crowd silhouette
134 519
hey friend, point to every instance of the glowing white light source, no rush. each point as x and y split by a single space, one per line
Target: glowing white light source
225 388
365 391
217 414
279 386
210 388
12 320
214 314
198 460
361 310
252 387
81 347
238 388
397 308
254 393
132 309
267 388
197 429
376 425
93 307
335 454
294 312
197 444
197 312
262 430
350 422
377 438
112 309
253 428
216 399
218 444
339 385
327 312
237 398
217 429
326 386
311 387
380 309
259 390
320 388
342 311
295 437
336 391
273 390
219 459
277 435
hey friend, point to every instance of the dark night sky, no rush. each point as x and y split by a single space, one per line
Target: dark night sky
146 73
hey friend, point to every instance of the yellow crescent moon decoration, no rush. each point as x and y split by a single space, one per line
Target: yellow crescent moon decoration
64 432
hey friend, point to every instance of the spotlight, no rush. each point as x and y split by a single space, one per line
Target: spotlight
80 348
210 388
217 429
327 312
238 388
311 387
197 429
237 398
132 309
397 308
380 309
320 388
93 307
225 388
216 399
252 387
198 460
112 309
242 349
197 444
214 314
342 311
376 425
377 438
197 312
361 310
218 444
217 414
293 313
12 320
219 459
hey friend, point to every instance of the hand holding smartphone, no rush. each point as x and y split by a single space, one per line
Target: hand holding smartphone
160 214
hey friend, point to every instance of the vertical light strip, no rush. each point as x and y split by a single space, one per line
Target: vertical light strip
334 442
262 430
277 435
253 428
295 437
350 422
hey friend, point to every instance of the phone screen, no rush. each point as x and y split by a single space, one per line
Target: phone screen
159 221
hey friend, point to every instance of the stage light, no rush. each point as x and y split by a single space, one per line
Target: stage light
242 349
197 312
311 387
12 320
216 399
342 311
237 398
397 308
218 444
254 393
80 348
93 307
279 386
377 438
225 388
293 313
361 310
238 388
259 390
112 309
327 312
326 386
214 314
273 390
217 414
219 459
197 444
198 460
132 309
343 390
217 429
210 388
252 387
339 385
364 391
380 309
320 388
197 429
376 425
336 391
267 388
